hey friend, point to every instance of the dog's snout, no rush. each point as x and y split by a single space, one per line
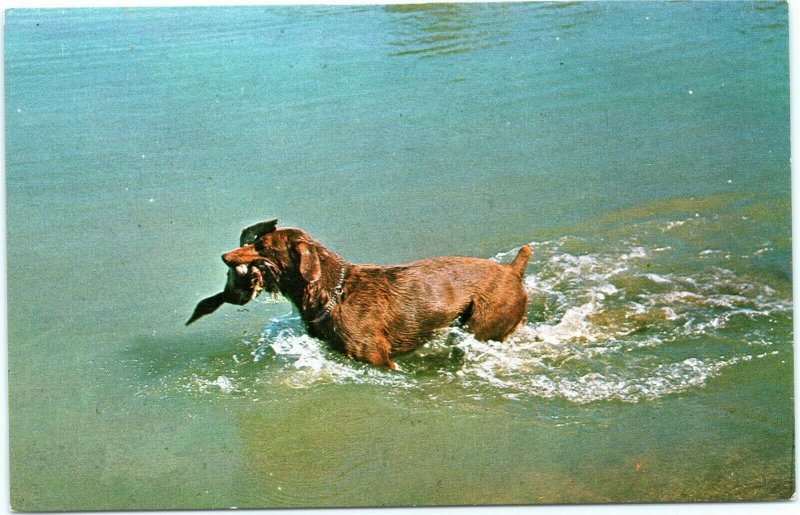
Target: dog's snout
241 256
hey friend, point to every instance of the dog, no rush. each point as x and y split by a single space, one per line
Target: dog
369 312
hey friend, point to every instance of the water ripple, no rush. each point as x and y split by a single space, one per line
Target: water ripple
428 30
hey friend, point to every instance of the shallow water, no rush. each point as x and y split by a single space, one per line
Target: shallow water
641 149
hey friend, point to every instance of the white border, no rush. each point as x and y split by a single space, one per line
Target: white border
671 509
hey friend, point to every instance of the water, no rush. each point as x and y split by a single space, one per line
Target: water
641 148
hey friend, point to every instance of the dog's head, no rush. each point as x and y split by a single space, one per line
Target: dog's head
265 256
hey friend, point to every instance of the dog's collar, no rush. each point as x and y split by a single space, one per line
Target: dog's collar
337 293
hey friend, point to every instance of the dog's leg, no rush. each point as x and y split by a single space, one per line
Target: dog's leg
496 319
381 354
376 351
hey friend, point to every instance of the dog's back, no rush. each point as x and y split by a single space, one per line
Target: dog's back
415 299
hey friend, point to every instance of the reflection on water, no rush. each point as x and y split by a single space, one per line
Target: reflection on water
442 29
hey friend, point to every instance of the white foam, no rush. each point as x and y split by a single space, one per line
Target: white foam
675 223
635 253
311 361
658 278
221 383
573 326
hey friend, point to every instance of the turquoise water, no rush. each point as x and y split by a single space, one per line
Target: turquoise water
641 148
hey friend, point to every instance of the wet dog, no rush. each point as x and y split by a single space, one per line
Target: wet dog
373 312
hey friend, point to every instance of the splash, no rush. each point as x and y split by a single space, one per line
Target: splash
285 343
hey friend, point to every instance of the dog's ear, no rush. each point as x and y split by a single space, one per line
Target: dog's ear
255 231
242 256
309 262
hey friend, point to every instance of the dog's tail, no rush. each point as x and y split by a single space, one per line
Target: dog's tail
521 261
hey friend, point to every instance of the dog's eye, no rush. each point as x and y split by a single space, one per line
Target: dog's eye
271 268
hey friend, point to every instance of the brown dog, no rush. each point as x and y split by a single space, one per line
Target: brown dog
372 312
